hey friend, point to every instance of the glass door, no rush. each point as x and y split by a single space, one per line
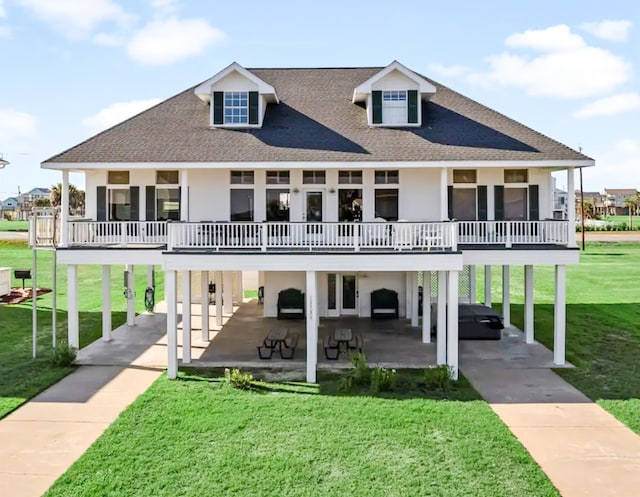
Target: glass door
314 206
349 297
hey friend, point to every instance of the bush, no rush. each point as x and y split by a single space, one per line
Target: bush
383 380
358 375
438 378
63 356
237 379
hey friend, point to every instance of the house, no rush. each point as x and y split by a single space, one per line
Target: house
615 200
336 182
9 204
26 200
560 206
595 203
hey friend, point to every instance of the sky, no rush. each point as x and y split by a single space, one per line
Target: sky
568 69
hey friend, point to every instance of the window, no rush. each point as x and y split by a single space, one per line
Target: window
241 204
464 204
350 205
350 177
386 204
278 204
167 177
394 107
464 176
386 177
168 204
119 204
118 177
236 107
515 204
277 177
331 290
242 177
313 177
516 176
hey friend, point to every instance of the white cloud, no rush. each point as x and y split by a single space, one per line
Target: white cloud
609 30
566 68
166 41
164 7
448 71
615 168
108 39
5 32
16 125
615 104
2 11
77 18
116 113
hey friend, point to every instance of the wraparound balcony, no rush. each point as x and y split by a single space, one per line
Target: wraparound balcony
281 237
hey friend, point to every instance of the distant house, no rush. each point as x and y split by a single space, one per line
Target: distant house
25 200
9 204
595 199
560 203
614 200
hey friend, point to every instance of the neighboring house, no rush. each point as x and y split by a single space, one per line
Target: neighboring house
560 210
615 197
25 201
9 204
595 199
336 182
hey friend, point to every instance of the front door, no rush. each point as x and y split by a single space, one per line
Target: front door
349 294
313 206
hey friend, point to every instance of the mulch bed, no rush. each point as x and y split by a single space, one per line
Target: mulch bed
18 295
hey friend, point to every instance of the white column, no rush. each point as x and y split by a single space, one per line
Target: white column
312 326
528 304
240 280
54 300
414 299
441 324
559 317
227 292
106 303
34 303
472 284
452 323
184 195
444 195
407 295
571 207
64 209
218 282
73 329
426 307
204 304
170 285
186 317
131 296
487 285
506 304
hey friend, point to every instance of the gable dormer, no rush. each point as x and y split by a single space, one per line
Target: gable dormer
237 98
393 96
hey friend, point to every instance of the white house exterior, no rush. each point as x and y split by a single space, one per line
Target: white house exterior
336 182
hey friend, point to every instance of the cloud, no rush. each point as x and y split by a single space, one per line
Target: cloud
16 126
77 18
116 113
5 32
3 12
609 30
166 41
615 104
448 71
108 39
164 7
616 167
566 67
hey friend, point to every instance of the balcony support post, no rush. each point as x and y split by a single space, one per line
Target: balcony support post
571 207
227 292
131 296
204 304
487 285
528 304
312 325
106 303
73 330
426 307
472 284
186 317
506 305
218 282
414 299
559 316
441 338
170 279
452 323
64 209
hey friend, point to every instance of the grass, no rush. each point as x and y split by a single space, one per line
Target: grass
198 436
603 313
21 377
6 225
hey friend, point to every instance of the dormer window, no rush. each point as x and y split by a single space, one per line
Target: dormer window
236 107
394 107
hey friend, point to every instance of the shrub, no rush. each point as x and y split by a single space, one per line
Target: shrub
438 378
237 379
357 375
63 356
383 380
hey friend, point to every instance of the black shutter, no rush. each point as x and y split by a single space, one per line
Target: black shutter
482 203
534 203
450 201
498 200
134 192
253 107
376 109
180 203
412 106
218 107
101 207
150 203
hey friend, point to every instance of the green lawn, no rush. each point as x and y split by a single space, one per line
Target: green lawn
197 436
14 225
20 376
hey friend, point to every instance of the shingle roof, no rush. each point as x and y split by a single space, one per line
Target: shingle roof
316 121
621 191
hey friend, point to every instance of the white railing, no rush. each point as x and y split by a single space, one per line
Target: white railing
312 236
44 231
117 232
508 233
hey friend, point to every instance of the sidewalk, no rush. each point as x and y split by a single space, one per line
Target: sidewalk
582 448
41 439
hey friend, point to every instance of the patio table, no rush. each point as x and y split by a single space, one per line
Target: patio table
278 339
342 337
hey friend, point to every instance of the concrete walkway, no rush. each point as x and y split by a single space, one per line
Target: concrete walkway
582 448
41 439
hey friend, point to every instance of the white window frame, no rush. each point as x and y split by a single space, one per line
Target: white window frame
395 107
236 102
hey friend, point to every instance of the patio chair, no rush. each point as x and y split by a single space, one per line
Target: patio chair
291 304
384 304
331 350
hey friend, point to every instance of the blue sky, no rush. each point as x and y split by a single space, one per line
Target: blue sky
565 68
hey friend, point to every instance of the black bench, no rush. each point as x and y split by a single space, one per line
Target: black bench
291 304
384 303
22 274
